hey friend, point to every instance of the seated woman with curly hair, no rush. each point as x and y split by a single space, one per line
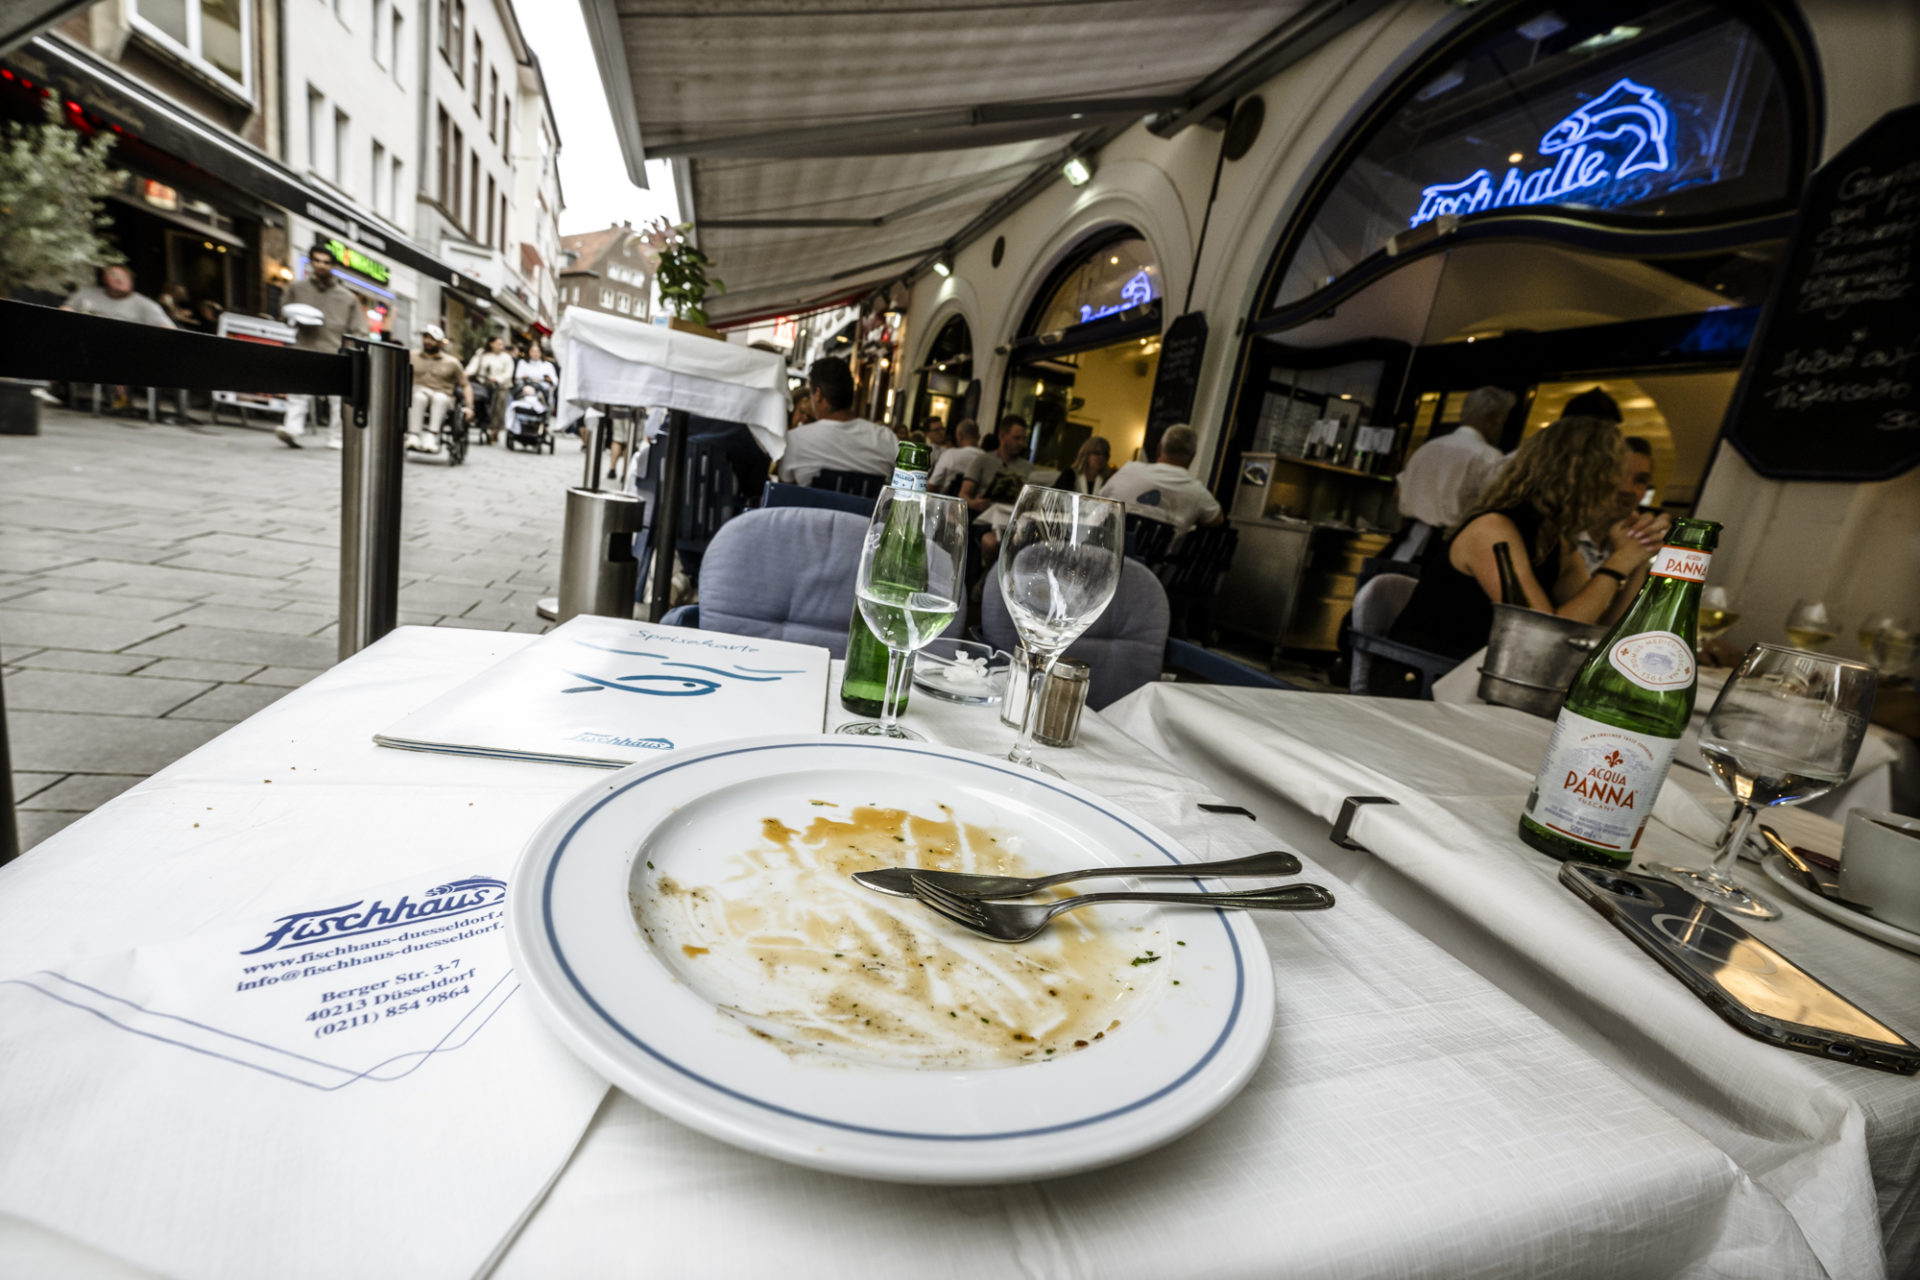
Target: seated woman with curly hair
1561 480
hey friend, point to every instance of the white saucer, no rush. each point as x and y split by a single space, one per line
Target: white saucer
1879 930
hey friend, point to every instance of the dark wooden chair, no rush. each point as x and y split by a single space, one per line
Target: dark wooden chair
1148 539
862 484
1192 578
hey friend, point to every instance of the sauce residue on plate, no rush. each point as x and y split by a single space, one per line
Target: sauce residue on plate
789 944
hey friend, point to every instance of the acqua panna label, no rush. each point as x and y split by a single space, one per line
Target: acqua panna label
1597 782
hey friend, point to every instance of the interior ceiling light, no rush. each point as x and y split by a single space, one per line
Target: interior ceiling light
941 267
1077 172
1547 24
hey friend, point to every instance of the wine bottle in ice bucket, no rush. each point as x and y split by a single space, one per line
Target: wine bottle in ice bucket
864 683
1624 714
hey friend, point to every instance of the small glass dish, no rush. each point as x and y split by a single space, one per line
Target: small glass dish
962 671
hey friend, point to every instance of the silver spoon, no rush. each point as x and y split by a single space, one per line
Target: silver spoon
898 881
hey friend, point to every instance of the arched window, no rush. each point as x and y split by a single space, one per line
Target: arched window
1111 277
1627 116
948 390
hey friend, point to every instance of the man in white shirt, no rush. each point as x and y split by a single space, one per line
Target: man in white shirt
836 440
1165 490
953 463
1444 476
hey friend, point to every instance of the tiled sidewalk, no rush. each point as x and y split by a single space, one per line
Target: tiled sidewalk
160 583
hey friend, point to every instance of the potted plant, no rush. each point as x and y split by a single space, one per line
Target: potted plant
52 227
680 273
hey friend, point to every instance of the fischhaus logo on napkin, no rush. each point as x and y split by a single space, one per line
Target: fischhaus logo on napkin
326 996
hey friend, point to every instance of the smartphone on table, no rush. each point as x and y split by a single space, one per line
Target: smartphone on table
1743 979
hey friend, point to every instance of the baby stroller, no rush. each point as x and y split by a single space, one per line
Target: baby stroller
530 417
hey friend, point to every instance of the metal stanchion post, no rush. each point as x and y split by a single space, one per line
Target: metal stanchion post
9 825
370 471
666 515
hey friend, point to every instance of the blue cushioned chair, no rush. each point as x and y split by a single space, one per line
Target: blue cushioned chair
795 495
781 573
1125 644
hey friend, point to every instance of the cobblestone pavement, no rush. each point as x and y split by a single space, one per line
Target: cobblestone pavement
160 583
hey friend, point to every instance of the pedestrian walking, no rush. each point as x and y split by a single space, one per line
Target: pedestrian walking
114 299
324 314
492 372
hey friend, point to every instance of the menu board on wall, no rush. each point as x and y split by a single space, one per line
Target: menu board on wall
1177 379
1831 387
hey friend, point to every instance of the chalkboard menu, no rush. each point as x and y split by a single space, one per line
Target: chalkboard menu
1177 379
1831 387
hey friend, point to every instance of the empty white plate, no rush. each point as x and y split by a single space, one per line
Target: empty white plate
687 926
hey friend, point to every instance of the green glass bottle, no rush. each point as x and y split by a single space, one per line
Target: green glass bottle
863 686
1624 715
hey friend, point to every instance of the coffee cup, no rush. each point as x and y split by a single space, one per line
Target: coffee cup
1880 866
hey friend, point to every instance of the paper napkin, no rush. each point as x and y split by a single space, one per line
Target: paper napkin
341 1088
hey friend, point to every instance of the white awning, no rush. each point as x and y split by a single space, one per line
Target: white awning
824 152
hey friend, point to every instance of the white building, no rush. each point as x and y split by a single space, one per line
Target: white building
352 86
533 220
470 108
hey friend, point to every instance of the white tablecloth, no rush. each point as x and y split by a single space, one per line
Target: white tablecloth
1409 1118
1839 1144
607 360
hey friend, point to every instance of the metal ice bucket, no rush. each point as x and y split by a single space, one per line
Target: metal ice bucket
1532 657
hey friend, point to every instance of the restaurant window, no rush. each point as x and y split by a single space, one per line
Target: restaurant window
947 389
1633 114
213 35
1084 361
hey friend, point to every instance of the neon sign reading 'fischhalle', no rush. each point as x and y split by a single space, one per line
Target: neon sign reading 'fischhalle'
1629 117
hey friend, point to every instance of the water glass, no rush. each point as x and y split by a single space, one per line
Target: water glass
910 584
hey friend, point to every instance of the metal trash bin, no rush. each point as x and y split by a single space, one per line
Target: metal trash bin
598 573
1532 657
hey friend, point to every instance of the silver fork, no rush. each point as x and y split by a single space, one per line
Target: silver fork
1020 921
898 881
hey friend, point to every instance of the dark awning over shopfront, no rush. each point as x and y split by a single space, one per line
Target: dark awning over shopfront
823 153
105 91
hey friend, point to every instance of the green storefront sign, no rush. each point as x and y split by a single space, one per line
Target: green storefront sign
359 263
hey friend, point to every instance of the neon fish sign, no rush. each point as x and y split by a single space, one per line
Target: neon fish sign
1627 113
1136 292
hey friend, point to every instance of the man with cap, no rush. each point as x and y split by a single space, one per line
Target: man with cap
437 374
323 313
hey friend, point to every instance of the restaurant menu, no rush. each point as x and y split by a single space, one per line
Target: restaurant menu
607 692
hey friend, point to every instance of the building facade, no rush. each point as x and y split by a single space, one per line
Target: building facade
533 253
607 270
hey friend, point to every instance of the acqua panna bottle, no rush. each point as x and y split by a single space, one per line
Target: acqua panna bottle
863 685
1624 714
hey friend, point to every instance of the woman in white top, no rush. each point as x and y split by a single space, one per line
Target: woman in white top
537 371
493 369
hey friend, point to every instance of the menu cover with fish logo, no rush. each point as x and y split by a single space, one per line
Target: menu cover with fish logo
607 692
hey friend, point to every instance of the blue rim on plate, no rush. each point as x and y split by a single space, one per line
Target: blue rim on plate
632 1037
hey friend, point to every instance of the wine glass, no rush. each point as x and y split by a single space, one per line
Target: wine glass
1059 568
1810 624
1784 730
909 586
1717 613
1889 642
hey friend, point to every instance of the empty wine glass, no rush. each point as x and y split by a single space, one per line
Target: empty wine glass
1784 730
1889 642
1717 613
909 586
1810 624
1059 568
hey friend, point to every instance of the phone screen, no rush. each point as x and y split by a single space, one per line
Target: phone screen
1755 975
1715 950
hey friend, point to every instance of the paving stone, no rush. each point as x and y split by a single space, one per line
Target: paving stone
520 608
448 598
232 544
32 784
82 792
228 703
197 669
264 620
156 593
93 604
45 741
284 677
22 560
312 608
36 826
12 653
223 645
164 578
106 664
245 566
81 693
71 631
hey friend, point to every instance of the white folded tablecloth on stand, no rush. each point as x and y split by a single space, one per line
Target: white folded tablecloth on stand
1409 1117
1835 1142
608 360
